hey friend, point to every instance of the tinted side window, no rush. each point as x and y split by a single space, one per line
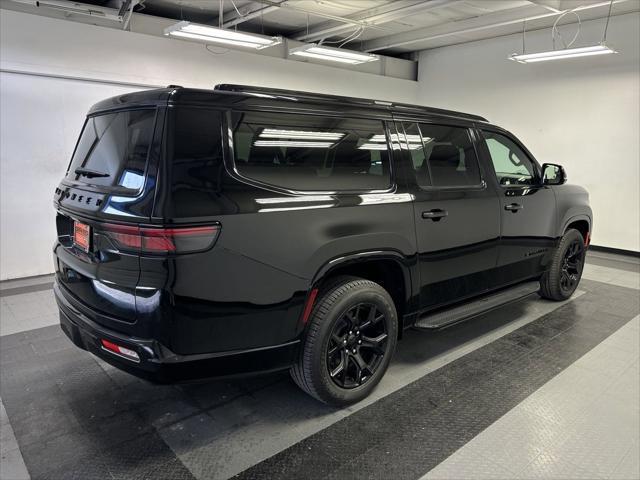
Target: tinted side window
194 163
449 157
417 152
511 164
115 146
310 153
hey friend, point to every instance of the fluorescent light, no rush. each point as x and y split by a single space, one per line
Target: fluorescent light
379 142
411 146
396 138
332 54
304 199
76 8
383 146
324 57
373 146
287 209
286 143
220 35
601 49
300 134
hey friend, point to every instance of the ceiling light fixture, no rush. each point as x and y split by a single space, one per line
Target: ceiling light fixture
397 138
332 54
291 143
373 146
77 8
206 33
560 54
398 141
568 51
300 134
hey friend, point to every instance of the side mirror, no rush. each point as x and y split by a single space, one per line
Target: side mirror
553 174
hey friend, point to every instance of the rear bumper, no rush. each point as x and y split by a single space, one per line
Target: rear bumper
158 363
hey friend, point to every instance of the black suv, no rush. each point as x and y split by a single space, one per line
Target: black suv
204 233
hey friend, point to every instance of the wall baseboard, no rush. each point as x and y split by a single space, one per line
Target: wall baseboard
617 251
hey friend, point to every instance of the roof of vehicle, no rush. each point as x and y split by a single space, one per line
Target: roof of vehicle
234 94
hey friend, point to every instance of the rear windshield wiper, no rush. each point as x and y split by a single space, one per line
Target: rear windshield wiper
86 172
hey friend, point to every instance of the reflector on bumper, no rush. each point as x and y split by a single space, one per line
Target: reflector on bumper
120 351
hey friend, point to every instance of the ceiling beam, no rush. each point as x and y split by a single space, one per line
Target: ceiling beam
272 5
248 13
375 16
483 22
551 5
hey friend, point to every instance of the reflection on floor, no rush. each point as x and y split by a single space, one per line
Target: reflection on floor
534 400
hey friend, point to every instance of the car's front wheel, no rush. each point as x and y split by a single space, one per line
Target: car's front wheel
350 340
565 271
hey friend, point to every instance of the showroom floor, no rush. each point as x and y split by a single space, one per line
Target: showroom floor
535 389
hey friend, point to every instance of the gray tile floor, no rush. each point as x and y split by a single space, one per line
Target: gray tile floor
582 424
252 437
12 466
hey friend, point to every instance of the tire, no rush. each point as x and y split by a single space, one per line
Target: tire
565 271
342 307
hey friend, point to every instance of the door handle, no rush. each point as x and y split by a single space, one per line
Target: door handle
436 214
513 207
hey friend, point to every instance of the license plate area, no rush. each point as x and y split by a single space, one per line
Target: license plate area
82 236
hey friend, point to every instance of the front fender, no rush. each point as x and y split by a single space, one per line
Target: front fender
573 205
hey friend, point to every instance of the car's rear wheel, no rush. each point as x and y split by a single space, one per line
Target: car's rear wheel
350 340
565 271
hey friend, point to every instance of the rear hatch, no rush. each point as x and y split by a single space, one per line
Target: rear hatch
105 197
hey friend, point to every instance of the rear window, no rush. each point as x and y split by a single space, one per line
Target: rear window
310 153
113 148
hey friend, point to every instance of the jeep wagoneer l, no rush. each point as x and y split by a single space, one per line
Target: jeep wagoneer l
204 233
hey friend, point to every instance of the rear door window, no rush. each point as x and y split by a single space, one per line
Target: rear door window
447 157
311 153
113 148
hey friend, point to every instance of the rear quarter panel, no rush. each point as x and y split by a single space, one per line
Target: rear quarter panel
249 290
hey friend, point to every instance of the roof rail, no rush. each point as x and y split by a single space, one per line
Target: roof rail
248 89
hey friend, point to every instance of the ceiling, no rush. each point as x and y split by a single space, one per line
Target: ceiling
389 27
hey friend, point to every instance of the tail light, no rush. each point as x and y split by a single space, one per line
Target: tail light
161 240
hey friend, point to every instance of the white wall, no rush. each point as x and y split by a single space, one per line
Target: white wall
582 113
41 115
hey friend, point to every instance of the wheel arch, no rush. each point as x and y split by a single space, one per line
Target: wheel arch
390 269
582 223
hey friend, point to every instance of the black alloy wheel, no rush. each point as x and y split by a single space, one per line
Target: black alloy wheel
350 339
565 267
357 345
572 264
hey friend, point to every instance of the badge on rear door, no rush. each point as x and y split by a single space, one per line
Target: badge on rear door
81 235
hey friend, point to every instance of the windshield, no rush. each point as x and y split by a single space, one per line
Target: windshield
113 148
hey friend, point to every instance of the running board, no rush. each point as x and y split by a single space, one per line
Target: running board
474 308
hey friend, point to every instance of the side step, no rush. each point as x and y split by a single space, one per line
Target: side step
445 318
